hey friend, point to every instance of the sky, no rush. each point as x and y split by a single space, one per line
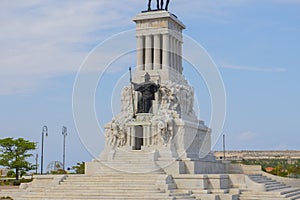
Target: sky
255 45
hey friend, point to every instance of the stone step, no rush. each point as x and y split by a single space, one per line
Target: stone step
262 194
259 198
121 174
129 159
137 180
133 166
138 170
114 175
105 180
130 169
291 193
133 177
264 181
285 194
77 185
103 187
96 197
139 162
183 197
97 192
254 175
260 177
216 196
295 197
272 183
179 194
100 196
105 184
277 187
133 158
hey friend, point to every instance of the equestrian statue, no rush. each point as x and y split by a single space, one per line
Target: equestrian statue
159 6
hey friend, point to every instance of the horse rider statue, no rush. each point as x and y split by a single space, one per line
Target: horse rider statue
159 7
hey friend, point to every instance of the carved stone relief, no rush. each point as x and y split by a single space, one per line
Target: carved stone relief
116 135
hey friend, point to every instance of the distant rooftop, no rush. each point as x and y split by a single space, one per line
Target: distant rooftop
240 155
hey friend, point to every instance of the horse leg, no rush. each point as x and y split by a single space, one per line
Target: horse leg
157 4
162 4
149 5
167 4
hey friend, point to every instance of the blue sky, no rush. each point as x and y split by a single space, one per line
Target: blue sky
255 45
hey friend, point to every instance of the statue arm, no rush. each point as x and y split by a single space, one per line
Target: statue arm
136 86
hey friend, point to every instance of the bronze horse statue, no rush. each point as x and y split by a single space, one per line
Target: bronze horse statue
159 7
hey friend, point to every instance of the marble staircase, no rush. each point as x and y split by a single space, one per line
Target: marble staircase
269 183
131 162
106 186
274 190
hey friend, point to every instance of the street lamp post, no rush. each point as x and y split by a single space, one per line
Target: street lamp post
44 133
36 163
64 133
224 151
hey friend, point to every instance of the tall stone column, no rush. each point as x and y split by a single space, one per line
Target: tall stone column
177 56
140 53
148 59
157 56
166 53
174 63
180 57
146 136
133 135
171 53
160 57
129 137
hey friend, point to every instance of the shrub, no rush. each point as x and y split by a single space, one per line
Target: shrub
16 182
11 174
6 197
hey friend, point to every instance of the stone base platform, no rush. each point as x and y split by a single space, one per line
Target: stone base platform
257 185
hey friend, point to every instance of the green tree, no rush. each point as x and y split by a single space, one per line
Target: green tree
79 168
14 154
11 174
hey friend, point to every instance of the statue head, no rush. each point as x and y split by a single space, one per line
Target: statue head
147 77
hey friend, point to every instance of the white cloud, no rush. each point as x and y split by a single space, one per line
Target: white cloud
207 10
257 69
247 135
41 39
281 147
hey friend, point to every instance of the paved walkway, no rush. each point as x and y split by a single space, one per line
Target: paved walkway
7 187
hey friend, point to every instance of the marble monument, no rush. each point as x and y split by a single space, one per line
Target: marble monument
157 117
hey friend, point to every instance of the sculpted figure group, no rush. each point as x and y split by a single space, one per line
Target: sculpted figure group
159 6
164 131
173 100
169 100
116 136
